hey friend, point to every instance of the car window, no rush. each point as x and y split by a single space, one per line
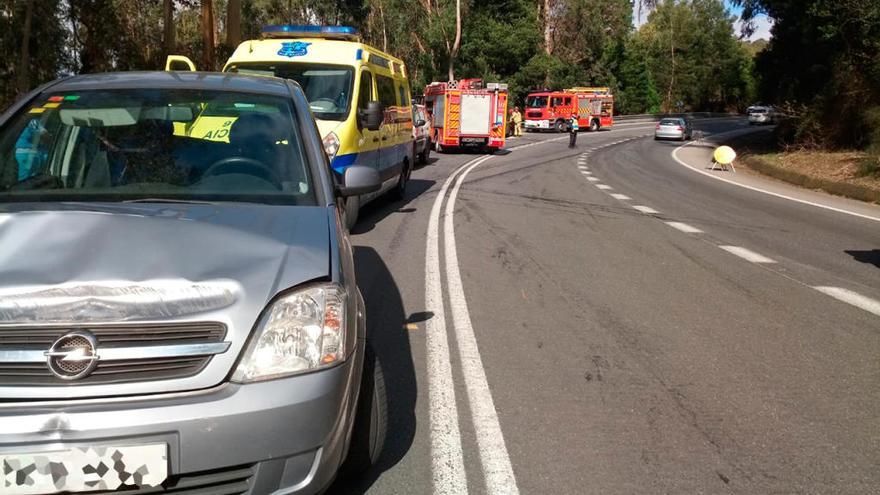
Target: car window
385 87
365 92
403 98
327 87
671 122
556 101
117 145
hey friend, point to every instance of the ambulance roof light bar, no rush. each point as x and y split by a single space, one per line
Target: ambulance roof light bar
310 31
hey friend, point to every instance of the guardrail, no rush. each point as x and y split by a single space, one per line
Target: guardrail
651 117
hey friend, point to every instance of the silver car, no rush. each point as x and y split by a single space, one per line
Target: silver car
673 128
178 307
761 115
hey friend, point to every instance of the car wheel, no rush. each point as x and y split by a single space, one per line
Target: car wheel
370 420
400 188
426 153
594 125
560 126
351 209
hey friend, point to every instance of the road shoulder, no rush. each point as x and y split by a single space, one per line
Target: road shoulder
697 156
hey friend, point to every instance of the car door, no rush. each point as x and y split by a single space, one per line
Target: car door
389 157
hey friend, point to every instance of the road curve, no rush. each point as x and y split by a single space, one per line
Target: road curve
680 347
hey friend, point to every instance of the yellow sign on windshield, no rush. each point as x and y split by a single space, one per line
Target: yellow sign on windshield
209 128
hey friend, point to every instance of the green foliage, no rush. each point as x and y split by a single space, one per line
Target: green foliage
824 57
693 56
587 42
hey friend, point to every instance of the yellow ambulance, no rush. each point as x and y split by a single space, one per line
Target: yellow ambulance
360 97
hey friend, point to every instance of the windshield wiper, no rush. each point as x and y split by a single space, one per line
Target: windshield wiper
168 200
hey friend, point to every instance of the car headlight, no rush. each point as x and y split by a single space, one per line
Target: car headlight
301 331
331 145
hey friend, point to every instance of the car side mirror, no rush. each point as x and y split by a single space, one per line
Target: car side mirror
420 123
358 180
372 117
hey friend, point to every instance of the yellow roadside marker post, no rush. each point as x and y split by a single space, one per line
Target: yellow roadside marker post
724 156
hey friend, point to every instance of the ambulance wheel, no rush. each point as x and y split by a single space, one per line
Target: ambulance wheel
594 125
350 211
400 189
425 154
560 126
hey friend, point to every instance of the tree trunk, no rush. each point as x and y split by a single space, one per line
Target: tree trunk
672 59
168 38
24 66
456 45
233 23
548 31
208 35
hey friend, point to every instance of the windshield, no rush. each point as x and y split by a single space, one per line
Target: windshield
137 144
327 87
536 102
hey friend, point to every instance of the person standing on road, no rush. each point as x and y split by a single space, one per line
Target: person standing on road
516 117
573 131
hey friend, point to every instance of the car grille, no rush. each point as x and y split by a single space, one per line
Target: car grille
118 371
229 481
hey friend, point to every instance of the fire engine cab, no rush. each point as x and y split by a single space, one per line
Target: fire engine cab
552 110
467 113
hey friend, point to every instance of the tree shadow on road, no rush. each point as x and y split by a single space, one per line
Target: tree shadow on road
386 330
871 257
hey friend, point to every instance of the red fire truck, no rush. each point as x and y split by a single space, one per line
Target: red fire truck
551 110
467 113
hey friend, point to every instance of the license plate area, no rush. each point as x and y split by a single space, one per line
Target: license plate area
83 469
473 141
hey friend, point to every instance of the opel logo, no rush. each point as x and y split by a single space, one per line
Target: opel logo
73 356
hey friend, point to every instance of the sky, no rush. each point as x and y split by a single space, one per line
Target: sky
762 22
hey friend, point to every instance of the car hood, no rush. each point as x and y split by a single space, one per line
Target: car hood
132 264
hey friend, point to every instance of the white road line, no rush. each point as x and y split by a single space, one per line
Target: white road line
583 167
850 297
747 254
592 179
497 470
684 227
646 209
622 197
604 187
771 193
447 459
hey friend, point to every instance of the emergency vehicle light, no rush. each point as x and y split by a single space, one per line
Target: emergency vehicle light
309 31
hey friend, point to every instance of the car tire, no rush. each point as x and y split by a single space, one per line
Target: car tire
351 208
425 154
400 189
560 126
370 419
594 125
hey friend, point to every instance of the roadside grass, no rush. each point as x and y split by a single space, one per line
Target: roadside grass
853 174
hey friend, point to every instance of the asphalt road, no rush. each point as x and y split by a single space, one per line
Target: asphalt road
565 342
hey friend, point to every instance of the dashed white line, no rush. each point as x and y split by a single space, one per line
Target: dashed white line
583 167
604 187
853 298
646 210
689 229
593 179
622 197
747 254
497 469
